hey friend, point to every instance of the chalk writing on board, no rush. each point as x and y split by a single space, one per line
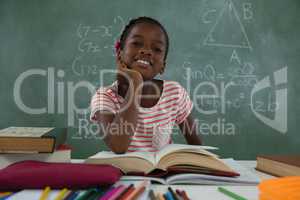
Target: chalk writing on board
96 41
228 15
80 68
247 11
244 76
208 72
261 106
208 15
214 92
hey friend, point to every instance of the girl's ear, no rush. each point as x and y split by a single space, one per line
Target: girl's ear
119 54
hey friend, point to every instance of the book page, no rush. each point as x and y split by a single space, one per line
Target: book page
108 154
24 131
246 177
142 178
184 147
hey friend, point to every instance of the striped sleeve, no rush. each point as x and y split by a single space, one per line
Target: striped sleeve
102 101
184 104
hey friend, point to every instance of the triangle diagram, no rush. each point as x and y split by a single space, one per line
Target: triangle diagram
228 31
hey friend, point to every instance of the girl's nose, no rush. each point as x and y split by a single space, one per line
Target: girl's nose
146 50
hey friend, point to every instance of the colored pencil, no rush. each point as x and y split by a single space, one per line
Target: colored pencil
8 196
231 194
112 194
182 194
72 195
96 194
160 196
168 196
135 193
3 194
151 195
128 193
185 196
108 193
45 193
61 194
118 192
86 194
174 195
124 192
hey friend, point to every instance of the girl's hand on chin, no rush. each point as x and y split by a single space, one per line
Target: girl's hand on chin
124 73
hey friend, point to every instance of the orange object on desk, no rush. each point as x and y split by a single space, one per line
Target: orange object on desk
280 188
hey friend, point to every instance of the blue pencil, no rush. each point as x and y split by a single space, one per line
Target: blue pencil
168 196
72 195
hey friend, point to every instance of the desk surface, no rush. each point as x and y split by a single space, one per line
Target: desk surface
195 192
198 192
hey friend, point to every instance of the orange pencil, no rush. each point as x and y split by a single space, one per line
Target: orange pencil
126 194
137 191
160 196
4 194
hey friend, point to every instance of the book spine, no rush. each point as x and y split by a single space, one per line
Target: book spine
59 135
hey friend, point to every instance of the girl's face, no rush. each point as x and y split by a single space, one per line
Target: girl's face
144 50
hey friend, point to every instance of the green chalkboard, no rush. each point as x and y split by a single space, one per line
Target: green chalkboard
239 61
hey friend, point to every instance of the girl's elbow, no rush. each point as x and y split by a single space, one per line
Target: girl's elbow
118 149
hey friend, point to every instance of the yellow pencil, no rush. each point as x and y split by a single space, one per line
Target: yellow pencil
61 194
160 196
45 193
3 194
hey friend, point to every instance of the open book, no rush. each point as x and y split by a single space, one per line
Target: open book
174 158
246 177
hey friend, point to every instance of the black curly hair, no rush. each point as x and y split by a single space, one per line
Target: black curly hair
138 20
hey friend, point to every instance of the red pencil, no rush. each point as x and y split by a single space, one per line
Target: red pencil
137 192
183 194
126 194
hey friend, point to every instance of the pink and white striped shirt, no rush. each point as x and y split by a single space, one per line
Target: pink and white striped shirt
155 124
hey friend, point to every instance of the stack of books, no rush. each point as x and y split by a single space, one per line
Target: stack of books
33 143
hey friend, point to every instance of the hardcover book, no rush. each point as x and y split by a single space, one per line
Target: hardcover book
279 165
31 139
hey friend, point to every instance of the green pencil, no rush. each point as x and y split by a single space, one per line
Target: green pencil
231 194
86 194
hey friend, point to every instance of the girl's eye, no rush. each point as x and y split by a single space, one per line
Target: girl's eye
156 49
137 43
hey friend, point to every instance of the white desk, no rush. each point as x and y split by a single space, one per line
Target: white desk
195 192
199 192
208 192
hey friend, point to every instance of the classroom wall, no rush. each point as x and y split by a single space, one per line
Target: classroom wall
239 61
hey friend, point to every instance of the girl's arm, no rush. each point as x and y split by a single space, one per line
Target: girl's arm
119 127
189 128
